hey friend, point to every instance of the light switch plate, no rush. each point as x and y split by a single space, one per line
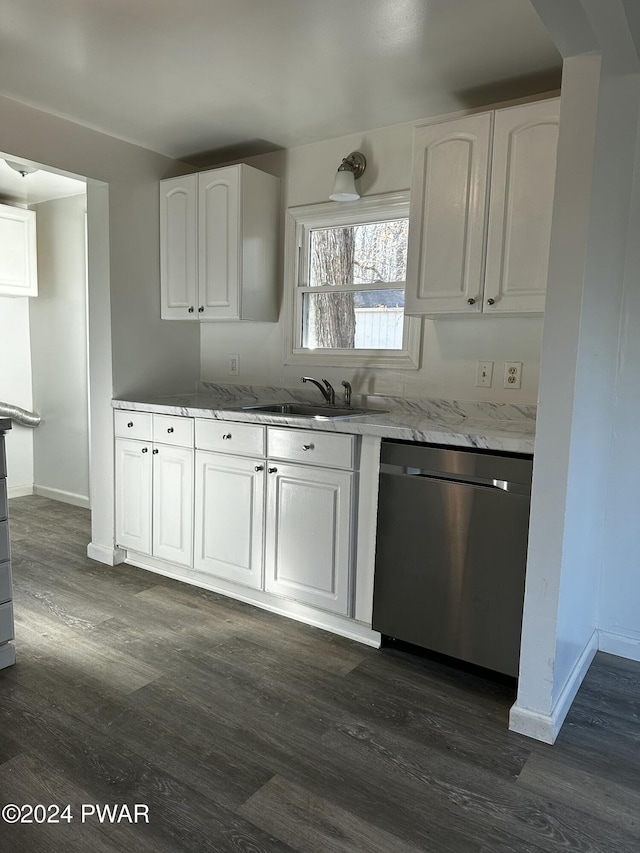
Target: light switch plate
484 373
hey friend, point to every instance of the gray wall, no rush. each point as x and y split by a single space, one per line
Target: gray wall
130 347
59 353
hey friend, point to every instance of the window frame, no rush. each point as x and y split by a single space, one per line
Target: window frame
299 222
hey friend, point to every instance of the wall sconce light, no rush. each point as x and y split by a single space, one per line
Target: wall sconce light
352 167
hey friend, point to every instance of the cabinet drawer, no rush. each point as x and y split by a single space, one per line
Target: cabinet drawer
173 429
4 540
228 437
3 499
311 446
133 424
5 582
6 622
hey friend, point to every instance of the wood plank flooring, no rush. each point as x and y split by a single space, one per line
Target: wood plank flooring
244 731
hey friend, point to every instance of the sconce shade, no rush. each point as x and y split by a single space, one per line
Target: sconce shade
344 187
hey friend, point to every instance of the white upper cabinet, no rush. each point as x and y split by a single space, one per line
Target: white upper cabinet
218 238
523 173
447 216
178 247
481 206
18 252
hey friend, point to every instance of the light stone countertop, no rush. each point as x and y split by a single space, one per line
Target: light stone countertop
492 426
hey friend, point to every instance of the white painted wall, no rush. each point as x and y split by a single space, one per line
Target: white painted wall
59 352
131 349
16 390
451 346
619 617
571 551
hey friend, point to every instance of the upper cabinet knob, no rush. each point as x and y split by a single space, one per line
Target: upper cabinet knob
471 301
191 309
201 309
491 301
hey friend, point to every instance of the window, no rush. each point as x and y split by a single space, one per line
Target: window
346 270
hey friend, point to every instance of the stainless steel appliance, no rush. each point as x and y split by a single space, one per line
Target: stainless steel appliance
451 551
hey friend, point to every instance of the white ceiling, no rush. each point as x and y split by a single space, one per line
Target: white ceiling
183 77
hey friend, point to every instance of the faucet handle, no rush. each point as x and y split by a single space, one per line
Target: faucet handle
347 393
331 394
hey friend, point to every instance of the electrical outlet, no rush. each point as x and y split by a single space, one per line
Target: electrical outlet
233 362
484 373
512 374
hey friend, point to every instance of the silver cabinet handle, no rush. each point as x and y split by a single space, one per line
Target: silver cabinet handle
201 309
145 449
491 301
170 429
259 468
155 450
226 436
191 309
307 446
471 301
130 424
272 470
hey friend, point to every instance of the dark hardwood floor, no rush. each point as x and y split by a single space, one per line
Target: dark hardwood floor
243 731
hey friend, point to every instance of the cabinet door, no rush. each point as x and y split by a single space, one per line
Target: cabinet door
447 216
229 521
219 243
523 174
178 248
308 536
133 495
173 504
18 252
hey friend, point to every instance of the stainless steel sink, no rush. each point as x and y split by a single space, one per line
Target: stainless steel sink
302 410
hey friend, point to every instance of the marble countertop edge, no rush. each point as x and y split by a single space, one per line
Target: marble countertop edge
447 429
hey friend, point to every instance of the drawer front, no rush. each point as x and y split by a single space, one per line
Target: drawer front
228 437
4 509
312 447
173 429
6 622
133 424
5 582
4 540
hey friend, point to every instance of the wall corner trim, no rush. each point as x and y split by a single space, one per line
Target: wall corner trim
546 727
106 555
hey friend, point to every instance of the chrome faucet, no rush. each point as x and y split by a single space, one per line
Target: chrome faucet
327 391
347 393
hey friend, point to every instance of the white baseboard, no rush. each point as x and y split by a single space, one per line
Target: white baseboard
545 727
19 491
60 495
617 644
7 655
341 625
106 555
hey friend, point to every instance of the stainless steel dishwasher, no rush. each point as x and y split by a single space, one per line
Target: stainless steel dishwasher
451 551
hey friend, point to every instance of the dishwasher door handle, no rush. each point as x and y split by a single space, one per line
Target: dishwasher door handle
450 477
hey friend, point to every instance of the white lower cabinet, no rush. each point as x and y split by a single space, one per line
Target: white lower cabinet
270 509
308 551
229 517
154 500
